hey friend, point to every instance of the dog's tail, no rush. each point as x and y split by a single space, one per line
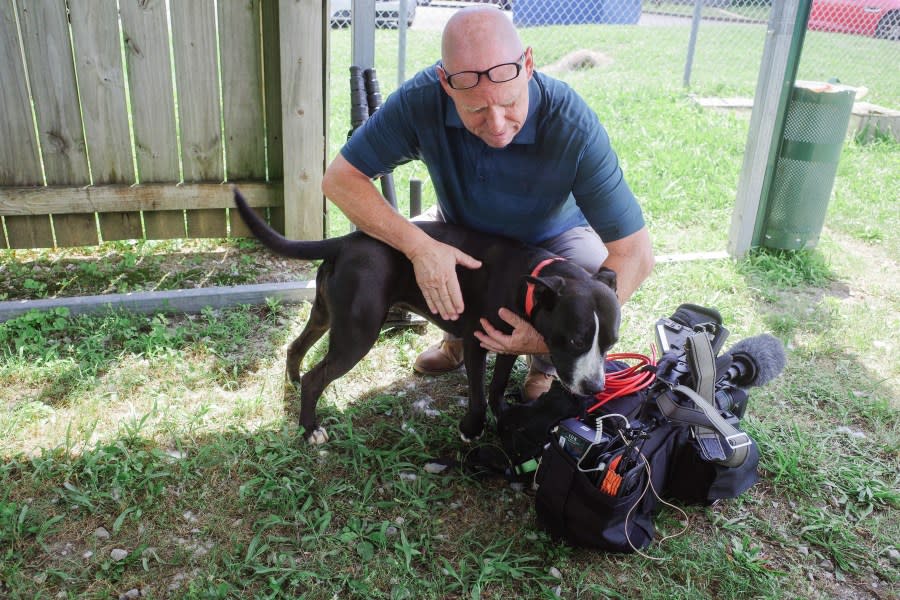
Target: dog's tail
271 239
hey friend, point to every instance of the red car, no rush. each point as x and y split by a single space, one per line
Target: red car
875 18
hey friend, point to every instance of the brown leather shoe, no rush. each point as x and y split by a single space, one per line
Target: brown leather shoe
535 384
443 357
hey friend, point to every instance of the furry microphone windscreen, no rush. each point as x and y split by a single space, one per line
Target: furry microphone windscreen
766 354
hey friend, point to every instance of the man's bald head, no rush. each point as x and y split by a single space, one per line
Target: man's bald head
477 40
478 37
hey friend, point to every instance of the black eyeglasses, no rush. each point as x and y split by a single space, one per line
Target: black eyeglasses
498 74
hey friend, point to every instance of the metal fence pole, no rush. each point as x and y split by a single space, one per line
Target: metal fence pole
362 41
362 51
401 42
692 44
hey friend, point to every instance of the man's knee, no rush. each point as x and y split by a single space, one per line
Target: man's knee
581 245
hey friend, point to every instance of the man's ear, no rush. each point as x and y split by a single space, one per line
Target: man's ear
607 276
442 78
529 62
546 290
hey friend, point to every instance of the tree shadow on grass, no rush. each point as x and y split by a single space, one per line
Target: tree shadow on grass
247 512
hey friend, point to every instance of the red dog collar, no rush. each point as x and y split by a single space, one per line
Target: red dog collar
529 287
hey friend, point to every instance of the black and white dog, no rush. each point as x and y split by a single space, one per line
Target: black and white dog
361 278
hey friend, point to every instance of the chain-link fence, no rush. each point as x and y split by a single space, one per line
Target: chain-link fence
624 55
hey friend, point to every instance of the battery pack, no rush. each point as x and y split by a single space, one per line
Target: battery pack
576 438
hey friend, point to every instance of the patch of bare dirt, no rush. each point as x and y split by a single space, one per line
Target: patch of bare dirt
579 60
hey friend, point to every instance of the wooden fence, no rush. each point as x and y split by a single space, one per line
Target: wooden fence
122 119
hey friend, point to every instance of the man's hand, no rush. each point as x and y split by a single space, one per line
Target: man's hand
435 267
524 338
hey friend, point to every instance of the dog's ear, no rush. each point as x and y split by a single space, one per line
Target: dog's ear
607 276
546 290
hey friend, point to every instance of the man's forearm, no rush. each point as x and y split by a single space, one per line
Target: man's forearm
358 198
632 260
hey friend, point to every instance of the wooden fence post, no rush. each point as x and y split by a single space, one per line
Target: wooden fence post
304 74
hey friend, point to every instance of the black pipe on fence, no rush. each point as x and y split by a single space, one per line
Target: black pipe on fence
359 100
415 197
373 96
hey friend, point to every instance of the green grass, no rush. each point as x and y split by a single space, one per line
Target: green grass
179 447
172 434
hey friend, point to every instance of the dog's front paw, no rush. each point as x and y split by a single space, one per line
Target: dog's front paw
317 437
468 433
469 440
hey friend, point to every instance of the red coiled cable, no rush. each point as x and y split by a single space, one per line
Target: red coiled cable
627 381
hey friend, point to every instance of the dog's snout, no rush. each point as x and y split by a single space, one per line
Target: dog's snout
593 386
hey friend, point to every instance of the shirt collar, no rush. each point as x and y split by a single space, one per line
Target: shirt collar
526 135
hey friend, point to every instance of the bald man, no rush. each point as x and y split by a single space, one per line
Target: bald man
510 151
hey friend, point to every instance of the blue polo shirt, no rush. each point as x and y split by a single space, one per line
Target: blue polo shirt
559 172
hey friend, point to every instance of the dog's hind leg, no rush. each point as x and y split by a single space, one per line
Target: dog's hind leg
503 366
315 328
350 340
318 323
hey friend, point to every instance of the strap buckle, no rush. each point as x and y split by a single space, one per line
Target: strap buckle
745 440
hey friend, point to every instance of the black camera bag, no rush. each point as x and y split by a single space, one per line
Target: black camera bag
524 428
693 480
573 509
695 452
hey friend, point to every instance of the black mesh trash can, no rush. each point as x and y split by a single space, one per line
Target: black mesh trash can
818 115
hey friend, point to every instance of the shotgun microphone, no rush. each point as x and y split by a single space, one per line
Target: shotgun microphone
754 361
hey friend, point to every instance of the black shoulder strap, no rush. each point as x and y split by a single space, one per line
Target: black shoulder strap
702 363
709 426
